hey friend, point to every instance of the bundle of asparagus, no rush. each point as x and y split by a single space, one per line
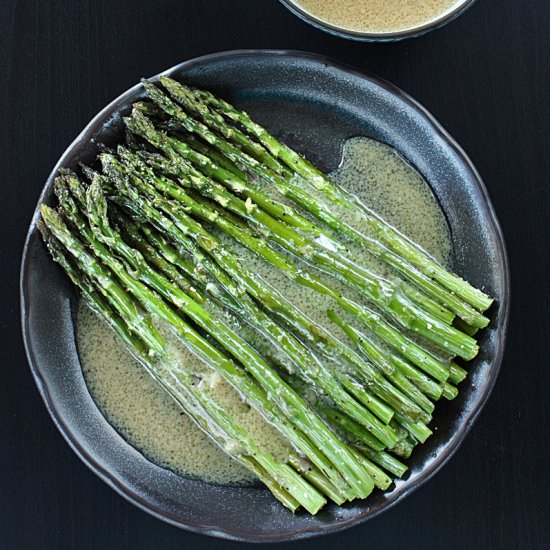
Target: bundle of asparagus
157 235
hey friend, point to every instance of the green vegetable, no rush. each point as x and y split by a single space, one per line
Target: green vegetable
157 236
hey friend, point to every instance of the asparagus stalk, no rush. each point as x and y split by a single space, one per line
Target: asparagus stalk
405 442
379 291
391 238
432 306
217 123
378 358
180 227
278 392
128 227
309 366
401 343
237 377
456 373
184 97
439 295
208 152
210 163
289 488
388 392
427 385
235 179
199 272
449 391
364 442
94 297
316 478
419 431
380 478
385 460
354 432
108 285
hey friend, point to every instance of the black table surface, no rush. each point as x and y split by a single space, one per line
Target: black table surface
486 77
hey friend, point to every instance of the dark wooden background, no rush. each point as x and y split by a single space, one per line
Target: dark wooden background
486 77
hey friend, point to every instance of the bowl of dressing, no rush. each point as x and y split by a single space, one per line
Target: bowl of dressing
377 20
381 146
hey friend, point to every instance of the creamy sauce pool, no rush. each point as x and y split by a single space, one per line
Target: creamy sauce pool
154 424
149 419
376 15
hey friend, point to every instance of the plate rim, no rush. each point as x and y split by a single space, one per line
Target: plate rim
318 530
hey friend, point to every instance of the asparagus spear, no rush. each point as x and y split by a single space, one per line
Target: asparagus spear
456 373
140 125
401 343
391 238
184 97
244 238
363 441
428 386
210 163
405 442
386 391
380 478
212 166
376 355
430 305
180 227
217 123
346 381
260 248
208 152
100 307
379 291
200 269
238 378
354 432
384 459
278 392
316 478
416 428
94 297
309 366
289 488
449 391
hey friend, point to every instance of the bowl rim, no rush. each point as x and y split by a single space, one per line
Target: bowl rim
226 533
371 36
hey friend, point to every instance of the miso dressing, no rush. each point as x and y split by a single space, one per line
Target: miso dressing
154 424
376 16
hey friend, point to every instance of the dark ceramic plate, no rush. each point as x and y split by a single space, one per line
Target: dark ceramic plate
313 104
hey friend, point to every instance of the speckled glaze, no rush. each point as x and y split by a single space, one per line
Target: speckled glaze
313 104
394 36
